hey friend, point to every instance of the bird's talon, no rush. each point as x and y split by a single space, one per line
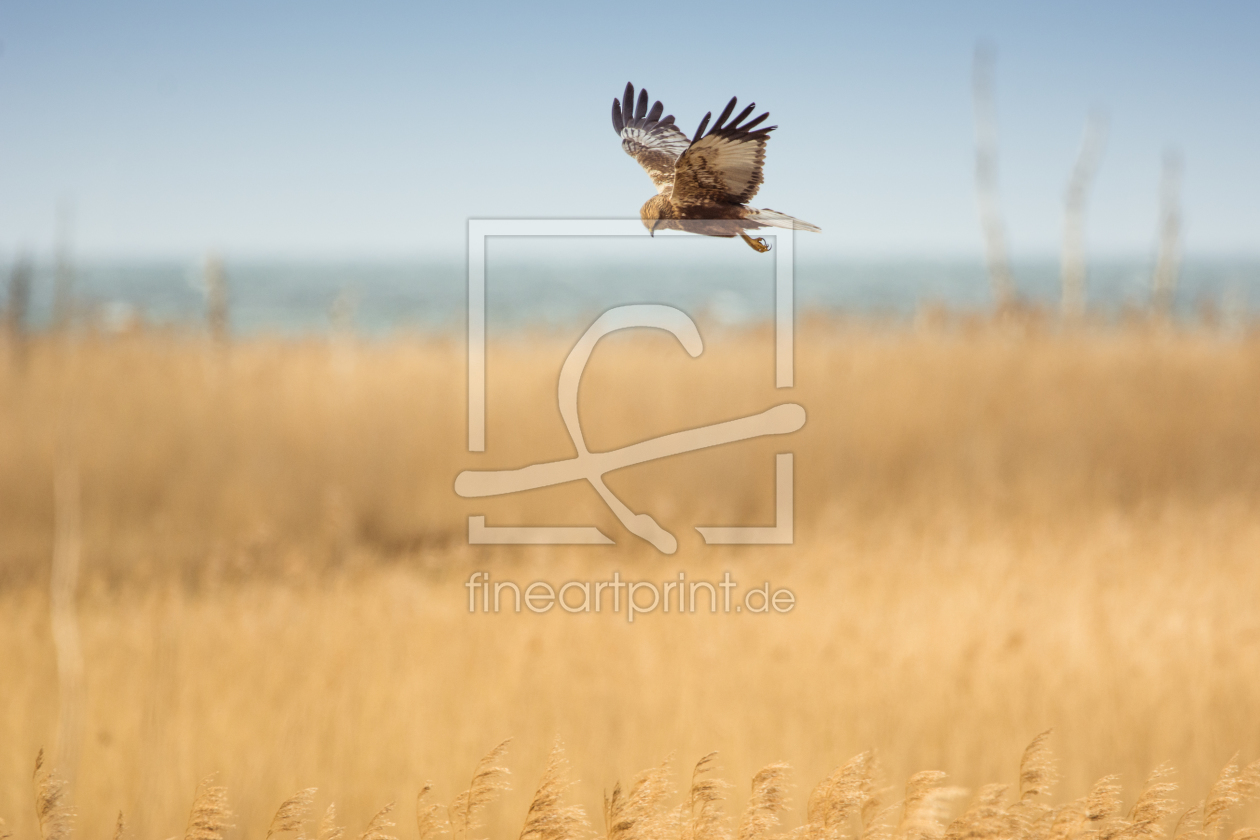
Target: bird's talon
759 245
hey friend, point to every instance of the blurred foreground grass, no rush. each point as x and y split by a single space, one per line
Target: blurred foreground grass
999 529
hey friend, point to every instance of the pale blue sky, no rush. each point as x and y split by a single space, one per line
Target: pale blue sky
376 129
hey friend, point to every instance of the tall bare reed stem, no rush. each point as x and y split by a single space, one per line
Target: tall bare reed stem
1082 178
1168 259
1000 277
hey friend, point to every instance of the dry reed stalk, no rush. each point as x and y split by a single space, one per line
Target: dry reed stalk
874 813
987 819
328 828
1101 806
1068 821
1103 801
1153 806
546 818
429 820
1233 787
926 804
842 795
216 291
637 814
1036 769
1073 262
119 825
488 779
919 787
292 813
342 339
209 815
54 815
1188 823
1036 778
63 280
996 256
704 819
1168 258
767 800
378 827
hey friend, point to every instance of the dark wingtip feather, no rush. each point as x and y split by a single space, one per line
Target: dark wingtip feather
655 113
667 120
627 101
640 110
756 122
743 115
726 112
619 123
704 123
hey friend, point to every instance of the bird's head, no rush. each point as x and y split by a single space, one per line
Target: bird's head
652 212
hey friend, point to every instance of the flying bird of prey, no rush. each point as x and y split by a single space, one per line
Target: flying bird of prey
704 184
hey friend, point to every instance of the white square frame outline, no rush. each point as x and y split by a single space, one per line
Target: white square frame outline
479 230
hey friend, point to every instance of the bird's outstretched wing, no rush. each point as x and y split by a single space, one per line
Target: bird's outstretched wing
724 165
653 141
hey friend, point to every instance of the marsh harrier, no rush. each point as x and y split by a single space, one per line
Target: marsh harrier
704 184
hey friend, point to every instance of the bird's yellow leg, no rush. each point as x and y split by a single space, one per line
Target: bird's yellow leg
759 245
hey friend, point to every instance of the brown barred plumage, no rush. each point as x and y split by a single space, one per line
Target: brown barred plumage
703 184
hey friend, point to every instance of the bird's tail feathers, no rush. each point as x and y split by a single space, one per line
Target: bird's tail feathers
774 218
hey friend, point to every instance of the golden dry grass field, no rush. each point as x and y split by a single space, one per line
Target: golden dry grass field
999 529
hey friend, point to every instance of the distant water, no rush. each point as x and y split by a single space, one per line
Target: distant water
529 287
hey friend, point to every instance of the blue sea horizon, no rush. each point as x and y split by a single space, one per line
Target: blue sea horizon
528 288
